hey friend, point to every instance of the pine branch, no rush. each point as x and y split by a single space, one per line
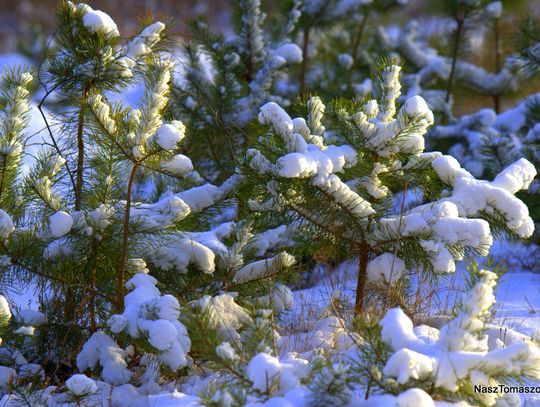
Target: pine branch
51 135
125 237
80 148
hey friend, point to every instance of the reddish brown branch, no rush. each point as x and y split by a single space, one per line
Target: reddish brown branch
125 239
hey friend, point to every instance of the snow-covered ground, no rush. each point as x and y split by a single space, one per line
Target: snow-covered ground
310 325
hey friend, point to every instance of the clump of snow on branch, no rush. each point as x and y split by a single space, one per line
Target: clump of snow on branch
148 315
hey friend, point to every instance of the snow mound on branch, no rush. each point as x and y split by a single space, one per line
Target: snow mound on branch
149 314
142 44
291 53
179 165
101 348
473 197
264 370
169 135
97 21
31 317
5 310
180 253
25 330
442 221
270 239
223 314
263 268
385 268
6 225
60 223
159 215
81 385
203 196
280 299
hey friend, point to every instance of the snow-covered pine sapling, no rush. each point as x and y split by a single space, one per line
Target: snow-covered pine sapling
343 194
446 364
77 246
89 59
148 326
225 81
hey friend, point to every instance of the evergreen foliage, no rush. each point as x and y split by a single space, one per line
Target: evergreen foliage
344 195
225 81
87 212
169 239
446 364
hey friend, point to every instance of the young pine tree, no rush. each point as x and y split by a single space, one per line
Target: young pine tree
448 364
225 81
108 194
344 195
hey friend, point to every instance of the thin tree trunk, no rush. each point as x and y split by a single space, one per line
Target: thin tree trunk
363 258
92 302
80 150
249 68
497 97
455 52
69 306
125 240
3 176
359 34
303 67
